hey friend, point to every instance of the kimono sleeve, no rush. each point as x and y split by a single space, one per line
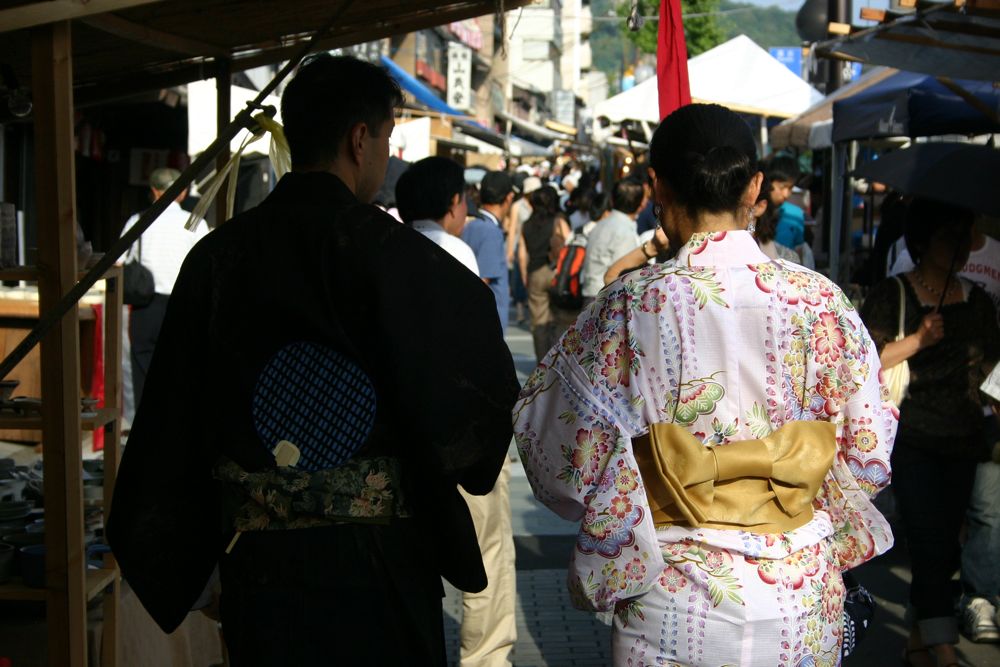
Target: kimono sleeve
866 428
580 464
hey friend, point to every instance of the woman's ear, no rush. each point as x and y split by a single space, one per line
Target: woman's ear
759 208
752 193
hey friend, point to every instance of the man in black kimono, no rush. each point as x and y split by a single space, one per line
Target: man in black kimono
316 267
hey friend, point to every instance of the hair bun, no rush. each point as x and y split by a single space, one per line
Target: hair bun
717 178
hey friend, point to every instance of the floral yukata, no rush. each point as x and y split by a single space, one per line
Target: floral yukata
730 345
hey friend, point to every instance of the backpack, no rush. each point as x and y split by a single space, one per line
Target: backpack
566 288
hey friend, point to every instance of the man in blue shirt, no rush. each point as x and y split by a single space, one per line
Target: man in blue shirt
485 236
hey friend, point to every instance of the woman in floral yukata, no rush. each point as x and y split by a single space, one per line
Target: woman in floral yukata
718 426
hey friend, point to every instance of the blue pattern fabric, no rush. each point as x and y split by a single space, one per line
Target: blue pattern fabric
317 399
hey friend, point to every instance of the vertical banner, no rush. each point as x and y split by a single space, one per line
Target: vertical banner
671 59
459 76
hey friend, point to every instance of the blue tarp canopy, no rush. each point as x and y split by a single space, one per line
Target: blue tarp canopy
424 95
914 105
420 92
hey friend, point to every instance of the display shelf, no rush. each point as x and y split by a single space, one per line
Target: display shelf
30 273
103 417
96 581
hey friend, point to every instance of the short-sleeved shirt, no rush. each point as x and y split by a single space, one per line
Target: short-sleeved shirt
613 238
455 246
484 236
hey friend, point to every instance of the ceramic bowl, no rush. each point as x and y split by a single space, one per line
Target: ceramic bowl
18 540
7 569
32 564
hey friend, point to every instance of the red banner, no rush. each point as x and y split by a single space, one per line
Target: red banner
671 59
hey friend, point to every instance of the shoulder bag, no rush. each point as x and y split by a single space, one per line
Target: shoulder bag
138 285
897 378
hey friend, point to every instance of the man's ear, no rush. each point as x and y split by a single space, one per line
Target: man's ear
356 140
509 199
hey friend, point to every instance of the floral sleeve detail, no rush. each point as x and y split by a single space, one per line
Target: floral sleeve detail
579 463
866 428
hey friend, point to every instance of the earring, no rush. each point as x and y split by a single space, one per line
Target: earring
657 212
751 222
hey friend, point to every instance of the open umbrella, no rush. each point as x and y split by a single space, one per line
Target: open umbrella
965 175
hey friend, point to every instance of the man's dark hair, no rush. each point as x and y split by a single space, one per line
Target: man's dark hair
599 205
425 190
495 187
627 196
329 96
782 168
706 155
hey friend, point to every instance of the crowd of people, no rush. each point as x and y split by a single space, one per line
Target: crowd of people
712 411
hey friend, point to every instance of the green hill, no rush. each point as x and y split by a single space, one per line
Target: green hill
768 26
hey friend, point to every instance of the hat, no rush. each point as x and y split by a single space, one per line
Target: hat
531 183
163 178
495 186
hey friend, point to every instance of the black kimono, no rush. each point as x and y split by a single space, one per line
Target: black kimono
313 264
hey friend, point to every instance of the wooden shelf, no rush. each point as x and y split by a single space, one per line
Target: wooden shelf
97 581
30 273
34 422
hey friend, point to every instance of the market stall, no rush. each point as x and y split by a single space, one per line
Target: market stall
69 54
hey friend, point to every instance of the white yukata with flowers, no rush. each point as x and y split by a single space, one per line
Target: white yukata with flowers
730 345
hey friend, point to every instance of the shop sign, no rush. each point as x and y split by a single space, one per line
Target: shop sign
468 33
459 76
427 72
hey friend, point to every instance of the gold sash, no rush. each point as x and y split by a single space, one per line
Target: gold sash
765 486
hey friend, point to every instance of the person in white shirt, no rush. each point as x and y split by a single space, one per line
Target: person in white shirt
431 198
613 237
161 249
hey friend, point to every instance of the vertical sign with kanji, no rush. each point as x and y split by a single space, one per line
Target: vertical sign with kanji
459 76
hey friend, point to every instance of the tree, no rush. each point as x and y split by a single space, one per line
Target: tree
701 31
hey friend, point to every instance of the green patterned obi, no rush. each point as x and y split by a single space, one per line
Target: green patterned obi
363 490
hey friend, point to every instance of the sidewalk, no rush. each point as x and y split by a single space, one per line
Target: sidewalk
551 633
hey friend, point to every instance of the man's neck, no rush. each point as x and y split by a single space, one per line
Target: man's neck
493 209
346 175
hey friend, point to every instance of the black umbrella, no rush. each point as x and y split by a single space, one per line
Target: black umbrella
965 175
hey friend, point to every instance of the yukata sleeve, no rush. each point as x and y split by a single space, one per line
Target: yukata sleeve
579 461
866 427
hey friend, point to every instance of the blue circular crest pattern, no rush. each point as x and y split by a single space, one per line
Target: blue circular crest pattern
317 399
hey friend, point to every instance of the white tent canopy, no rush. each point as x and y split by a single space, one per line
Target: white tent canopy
737 74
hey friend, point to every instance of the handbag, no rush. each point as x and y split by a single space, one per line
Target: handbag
138 285
897 378
859 610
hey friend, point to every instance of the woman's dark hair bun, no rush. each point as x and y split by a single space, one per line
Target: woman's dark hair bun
706 153
718 178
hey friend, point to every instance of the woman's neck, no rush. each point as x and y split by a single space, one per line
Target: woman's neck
709 222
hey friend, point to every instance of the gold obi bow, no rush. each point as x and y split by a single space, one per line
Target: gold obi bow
765 486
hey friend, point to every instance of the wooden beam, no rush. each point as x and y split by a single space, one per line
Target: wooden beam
223 100
836 28
55 203
50 11
119 27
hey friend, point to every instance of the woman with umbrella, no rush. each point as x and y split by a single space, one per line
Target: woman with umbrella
950 341
715 425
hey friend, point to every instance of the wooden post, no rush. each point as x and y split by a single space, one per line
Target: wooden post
223 79
55 203
112 448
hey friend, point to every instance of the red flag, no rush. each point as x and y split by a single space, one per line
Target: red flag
671 59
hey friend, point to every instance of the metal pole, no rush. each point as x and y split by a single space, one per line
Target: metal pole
836 208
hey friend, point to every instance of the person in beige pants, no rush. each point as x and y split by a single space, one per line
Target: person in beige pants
488 627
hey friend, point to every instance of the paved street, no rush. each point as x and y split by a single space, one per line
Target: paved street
552 633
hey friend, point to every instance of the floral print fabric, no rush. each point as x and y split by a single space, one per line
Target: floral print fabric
362 490
731 345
